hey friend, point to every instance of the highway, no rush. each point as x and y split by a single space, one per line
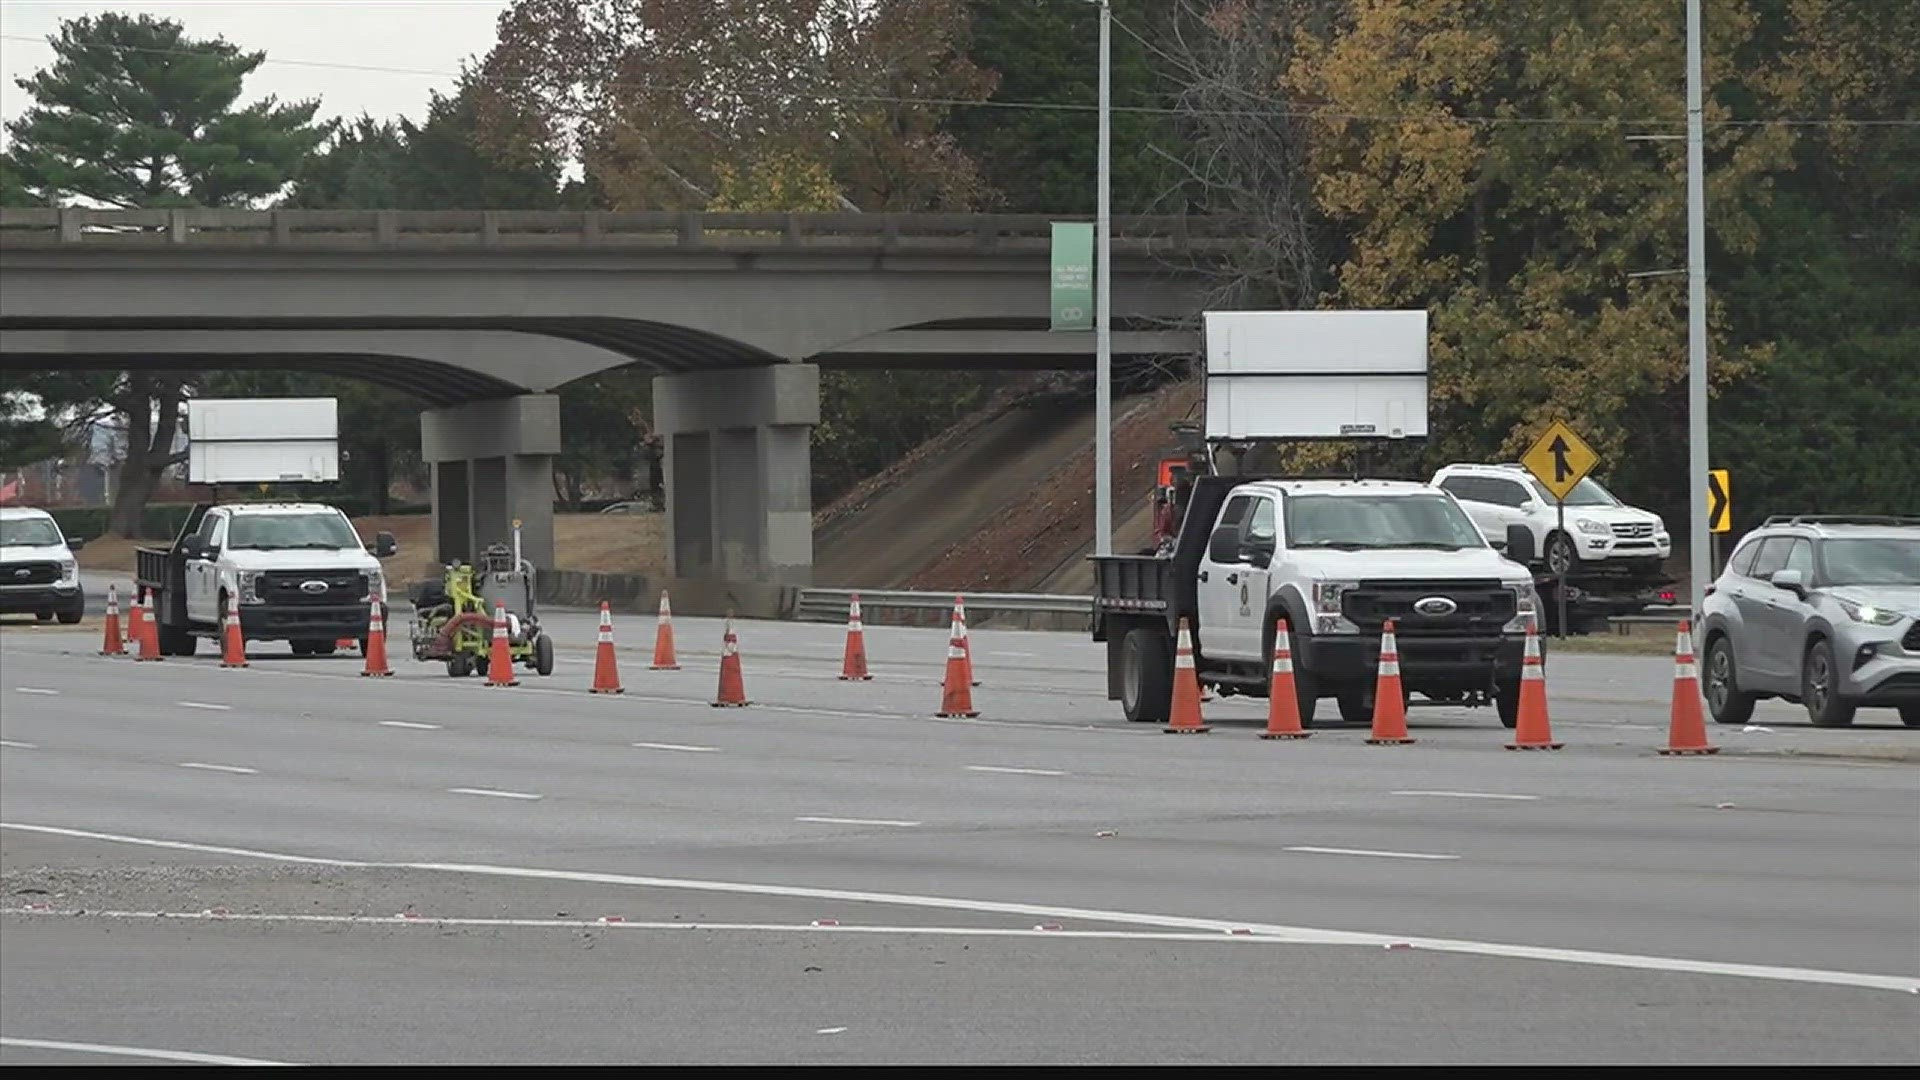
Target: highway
293 863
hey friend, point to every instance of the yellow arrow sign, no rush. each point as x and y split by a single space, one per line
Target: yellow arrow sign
1719 501
1560 459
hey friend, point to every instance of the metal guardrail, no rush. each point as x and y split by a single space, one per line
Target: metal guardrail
1658 614
830 605
46 227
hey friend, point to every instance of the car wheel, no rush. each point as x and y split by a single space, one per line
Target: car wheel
1820 688
1910 715
1146 676
1561 556
1724 699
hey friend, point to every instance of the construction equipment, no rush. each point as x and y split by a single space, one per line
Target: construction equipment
453 618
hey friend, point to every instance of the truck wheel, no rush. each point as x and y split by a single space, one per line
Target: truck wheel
43 616
302 648
177 642
543 654
1146 676
325 648
1910 715
1356 706
1506 701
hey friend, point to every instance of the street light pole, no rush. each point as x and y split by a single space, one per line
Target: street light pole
1103 305
1697 458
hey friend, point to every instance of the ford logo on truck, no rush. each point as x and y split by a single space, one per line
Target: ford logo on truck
1435 605
313 586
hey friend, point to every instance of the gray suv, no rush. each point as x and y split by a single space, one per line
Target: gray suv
1823 610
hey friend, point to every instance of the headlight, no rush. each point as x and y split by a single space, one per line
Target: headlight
249 586
69 569
1869 614
1326 595
1526 607
376 586
1592 527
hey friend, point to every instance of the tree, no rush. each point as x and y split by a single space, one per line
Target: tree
25 436
134 113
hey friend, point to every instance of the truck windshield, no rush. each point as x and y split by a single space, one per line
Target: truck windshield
28 532
273 532
1875 561
1366 522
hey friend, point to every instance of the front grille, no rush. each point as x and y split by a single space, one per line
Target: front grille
290 587
1633 530
29 573
1479 606
1911 642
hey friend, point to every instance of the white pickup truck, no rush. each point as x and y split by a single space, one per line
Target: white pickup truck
297 571
38 572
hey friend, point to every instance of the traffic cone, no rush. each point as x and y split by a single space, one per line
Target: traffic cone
1186 690
233 648
1687 734
499 661
956 690
376 640
606 678
148 633
853 666
110 642
1389 700
1283 700
733 688
1532 731
663 658
966 646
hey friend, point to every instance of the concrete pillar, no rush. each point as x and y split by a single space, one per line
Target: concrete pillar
739 471
493 463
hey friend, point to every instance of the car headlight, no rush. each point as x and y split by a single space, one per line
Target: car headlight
1592 527
249 586
1526 607
376 585
69 569
1326 595
1867 613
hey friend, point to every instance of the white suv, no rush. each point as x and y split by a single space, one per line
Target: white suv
1601 530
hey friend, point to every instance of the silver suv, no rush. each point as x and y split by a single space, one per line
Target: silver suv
1823 610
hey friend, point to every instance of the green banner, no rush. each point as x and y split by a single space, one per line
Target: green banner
1072 291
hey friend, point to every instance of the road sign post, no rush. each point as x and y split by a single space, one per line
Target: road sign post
1560 459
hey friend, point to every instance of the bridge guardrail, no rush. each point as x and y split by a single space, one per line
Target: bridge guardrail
39 227
830 605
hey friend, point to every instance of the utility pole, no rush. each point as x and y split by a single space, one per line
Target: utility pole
1103 305
1698 545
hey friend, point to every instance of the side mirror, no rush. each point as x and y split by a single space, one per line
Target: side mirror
384 545
1258 551
75 543
190 548
1520 545
1224 545
1790 580
1527 506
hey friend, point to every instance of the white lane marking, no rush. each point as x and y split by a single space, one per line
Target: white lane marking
1370 852
242 770
36 690
1470 795
1300 934
830 1031
492 793
677 746
133 1052
858 821
19 745
410 725
208 705
1013 771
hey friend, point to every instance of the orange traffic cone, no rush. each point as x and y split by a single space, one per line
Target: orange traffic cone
1389 700
1532 731
1186 689
733 688
1283 700
956 689
376 640
499 661
853 666
966 646
110 643
606 678
1687 734
147 632
233 648
663 658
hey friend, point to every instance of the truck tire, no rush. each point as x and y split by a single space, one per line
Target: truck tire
1506 701
74 614
302 648
176 642
1146 676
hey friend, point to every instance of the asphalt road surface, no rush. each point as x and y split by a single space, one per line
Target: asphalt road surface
293 863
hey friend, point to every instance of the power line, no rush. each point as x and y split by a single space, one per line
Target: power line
1272 113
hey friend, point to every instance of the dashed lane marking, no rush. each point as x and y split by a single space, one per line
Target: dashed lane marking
493 793
1370 853
858 821
133 1052
1015 772
1471 795
239 769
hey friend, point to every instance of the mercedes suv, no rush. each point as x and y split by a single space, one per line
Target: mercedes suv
1819 610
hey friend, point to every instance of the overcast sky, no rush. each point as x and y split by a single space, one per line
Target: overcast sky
430 37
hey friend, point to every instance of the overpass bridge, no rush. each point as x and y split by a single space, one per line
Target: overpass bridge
483 314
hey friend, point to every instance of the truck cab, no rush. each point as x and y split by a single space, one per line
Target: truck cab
296 572
1336 559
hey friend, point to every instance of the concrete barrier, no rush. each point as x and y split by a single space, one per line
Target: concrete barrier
639 594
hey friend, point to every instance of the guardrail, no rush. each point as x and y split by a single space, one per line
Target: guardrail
830 605
41 227
1660 614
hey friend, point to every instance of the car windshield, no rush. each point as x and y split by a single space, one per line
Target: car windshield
1886 560
28 532
1587 492
272 532
1357 522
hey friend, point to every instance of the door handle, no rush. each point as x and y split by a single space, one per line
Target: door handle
1233 579
1203 575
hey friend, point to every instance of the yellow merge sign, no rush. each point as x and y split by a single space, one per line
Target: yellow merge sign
1560 459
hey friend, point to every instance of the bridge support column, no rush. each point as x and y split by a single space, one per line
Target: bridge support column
739 472
492 463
